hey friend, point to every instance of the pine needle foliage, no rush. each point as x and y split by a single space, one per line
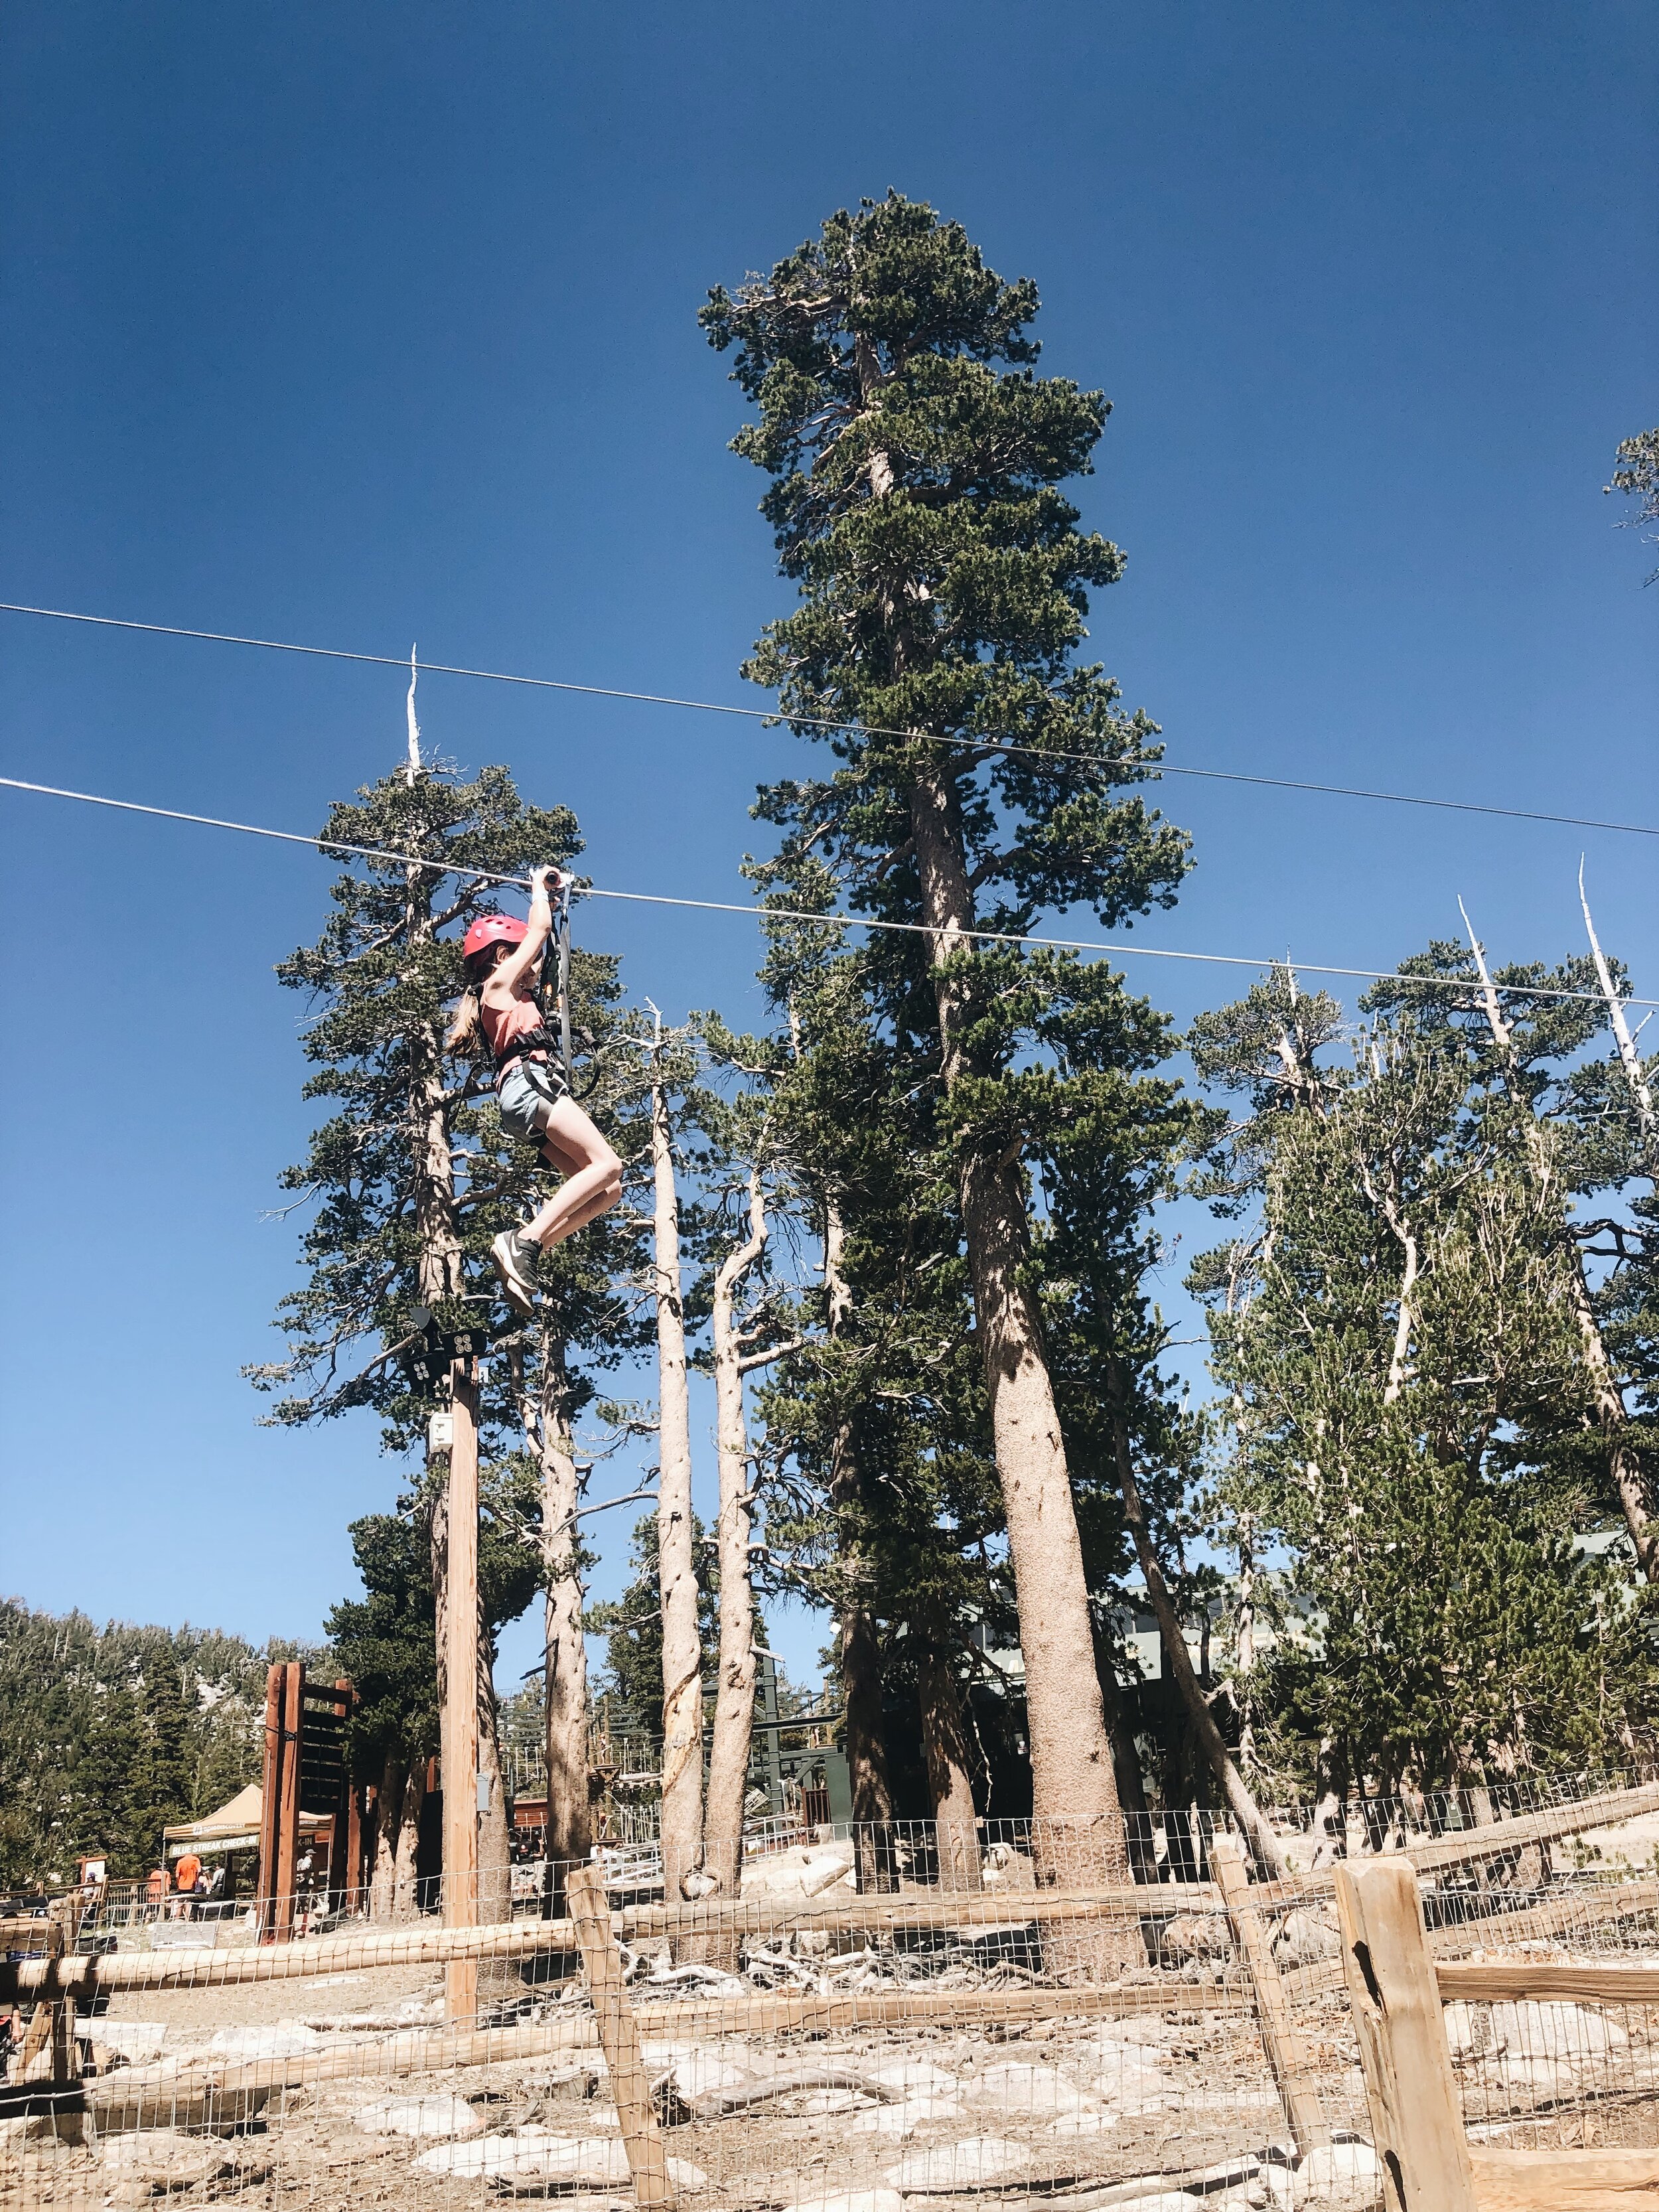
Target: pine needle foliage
1396 1338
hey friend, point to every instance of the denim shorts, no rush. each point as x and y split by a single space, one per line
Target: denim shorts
529 1090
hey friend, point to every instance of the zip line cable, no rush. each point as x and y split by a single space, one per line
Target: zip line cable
986 746
794 914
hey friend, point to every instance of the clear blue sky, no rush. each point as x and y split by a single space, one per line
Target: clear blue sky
371 325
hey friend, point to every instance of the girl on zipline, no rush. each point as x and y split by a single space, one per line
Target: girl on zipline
501 956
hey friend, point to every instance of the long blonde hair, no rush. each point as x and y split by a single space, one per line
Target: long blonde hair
466 1037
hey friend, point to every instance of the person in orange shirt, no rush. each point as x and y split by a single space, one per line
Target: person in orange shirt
156 1886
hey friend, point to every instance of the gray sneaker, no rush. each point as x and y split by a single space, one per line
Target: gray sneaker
514 1255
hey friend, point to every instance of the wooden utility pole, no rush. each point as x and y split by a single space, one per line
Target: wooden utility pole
460 1713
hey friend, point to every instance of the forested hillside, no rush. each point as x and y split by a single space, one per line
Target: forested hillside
107 1735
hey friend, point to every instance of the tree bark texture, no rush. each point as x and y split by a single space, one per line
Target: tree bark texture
1263 1843
944 1747
388 1807
1127 1771
677 1565
495 1856
405 1898
734 1697
1079 1828
437 1224
569 1807
875 1863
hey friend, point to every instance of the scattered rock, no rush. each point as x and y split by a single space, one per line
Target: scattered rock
857 2200
1135 2088
160 2161
1539 2077
1038 2092
540 2079
914 2077
541 2158
698 2073
284 2038
904 2119
418 2116
138 2040
1570 2032
1194 1936
980 2162
1305 1938
1073 2127
1339 2173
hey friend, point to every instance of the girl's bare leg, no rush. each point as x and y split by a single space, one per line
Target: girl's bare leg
593 1173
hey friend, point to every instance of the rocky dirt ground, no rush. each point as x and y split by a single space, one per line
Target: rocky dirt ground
1161 2112
901 2118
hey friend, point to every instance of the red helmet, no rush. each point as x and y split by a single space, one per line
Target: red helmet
494 929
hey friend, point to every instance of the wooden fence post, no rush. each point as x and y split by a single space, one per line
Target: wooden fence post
1416 2120
619 2037
1293 2068
51 2029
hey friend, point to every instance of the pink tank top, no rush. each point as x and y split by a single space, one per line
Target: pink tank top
517 1020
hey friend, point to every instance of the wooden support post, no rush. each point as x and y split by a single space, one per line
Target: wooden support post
345 1855
619 2037
43 2020
1287 2054
1416 2121
50 2054
460 1713
271 1789
287 1803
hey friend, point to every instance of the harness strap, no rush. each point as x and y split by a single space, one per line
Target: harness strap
520 1048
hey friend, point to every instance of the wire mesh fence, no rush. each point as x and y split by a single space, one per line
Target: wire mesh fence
1037 2013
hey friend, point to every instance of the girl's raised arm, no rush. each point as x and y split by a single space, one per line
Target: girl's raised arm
504 981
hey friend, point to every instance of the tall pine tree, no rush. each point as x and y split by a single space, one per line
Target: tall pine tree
944 580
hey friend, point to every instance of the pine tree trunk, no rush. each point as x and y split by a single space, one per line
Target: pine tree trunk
406 1897
1263 1843
1244 1645
388 1806
734 1697
437 1221
494 1856
677 1565
1126 1769
1079 1821
944 1747
1072 1781
875 1863
569 1807
1329 1825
